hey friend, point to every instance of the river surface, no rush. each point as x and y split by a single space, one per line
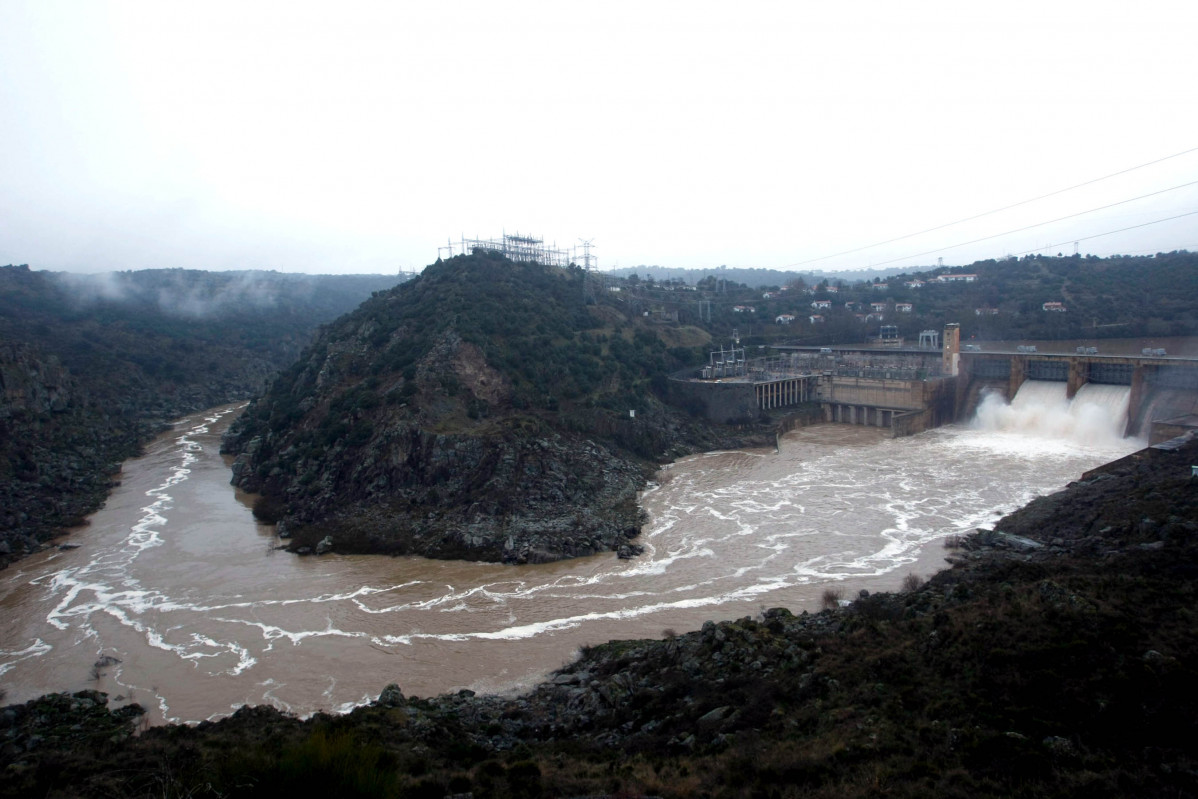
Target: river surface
175 580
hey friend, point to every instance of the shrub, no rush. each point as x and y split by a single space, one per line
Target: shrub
831 598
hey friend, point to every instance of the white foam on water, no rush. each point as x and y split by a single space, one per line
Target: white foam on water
726 529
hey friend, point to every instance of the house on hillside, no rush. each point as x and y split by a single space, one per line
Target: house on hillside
816 319
743 309
821 305
785 319
881 286
877 306
914 284
904 307
1053 306
957 278
985 311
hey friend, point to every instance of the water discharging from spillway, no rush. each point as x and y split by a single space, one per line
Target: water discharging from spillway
1041 409
175 580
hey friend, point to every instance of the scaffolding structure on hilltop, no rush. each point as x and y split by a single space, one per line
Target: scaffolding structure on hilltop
512 246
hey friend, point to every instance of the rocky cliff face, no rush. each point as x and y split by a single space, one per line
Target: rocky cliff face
481 411
58 449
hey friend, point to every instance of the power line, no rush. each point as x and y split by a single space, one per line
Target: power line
1120 230
988 213
1038 224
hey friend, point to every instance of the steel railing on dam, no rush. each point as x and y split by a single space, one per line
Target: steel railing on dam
878 366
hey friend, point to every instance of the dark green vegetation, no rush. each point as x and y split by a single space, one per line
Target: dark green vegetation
1116 297
481 410
92 365
1058 657
753 277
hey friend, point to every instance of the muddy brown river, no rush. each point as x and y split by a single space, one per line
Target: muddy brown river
177 584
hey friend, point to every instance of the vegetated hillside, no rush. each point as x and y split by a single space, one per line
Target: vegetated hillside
482 410
92 365
1057 657
1116 297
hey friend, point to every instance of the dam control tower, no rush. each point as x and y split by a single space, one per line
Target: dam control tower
952 348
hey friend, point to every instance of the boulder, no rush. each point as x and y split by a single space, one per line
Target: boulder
391 696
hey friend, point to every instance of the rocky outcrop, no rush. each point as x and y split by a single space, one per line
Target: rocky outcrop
471 413
59 451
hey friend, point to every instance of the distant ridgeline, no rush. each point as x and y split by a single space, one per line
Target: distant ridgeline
753 277
483 410
92 365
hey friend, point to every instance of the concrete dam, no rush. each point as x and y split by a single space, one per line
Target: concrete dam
911 390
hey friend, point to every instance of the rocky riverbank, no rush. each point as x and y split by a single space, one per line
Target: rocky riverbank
1057 656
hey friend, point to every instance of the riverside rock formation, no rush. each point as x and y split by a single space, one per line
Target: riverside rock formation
480 411
1056 657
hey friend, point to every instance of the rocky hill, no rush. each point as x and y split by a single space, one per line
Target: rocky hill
482 411
1058 656
91 366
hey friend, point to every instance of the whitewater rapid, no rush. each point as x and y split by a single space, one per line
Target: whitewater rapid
176 582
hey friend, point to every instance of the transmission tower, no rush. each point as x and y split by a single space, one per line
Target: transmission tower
591 280
586 254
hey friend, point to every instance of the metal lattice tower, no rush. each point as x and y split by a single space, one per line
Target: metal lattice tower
514 247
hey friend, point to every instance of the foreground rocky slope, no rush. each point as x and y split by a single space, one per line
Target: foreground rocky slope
481 411
91 366
1057 657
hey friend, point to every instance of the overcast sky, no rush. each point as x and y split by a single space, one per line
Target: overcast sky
360 136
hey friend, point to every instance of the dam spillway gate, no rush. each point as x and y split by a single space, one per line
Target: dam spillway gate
1163 390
